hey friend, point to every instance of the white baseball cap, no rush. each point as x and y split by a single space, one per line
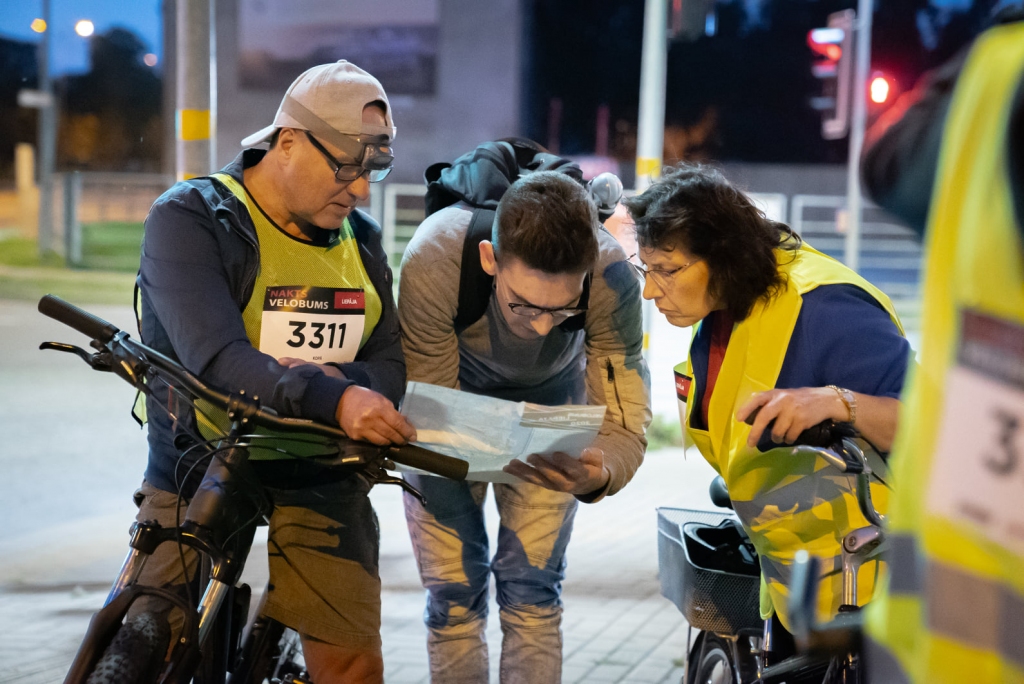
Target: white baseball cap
328 101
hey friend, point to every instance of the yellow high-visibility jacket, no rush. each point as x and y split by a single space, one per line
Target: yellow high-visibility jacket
953 610
785 502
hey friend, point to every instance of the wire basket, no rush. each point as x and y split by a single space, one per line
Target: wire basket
710 598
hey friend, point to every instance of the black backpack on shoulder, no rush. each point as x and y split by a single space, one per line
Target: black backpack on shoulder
480 178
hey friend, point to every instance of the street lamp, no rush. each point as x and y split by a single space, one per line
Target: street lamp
84 28
38 25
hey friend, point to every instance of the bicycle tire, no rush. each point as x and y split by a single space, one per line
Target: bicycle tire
135 654
268 655
715 664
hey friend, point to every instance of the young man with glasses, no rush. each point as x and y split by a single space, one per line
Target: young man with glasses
562 325
263 277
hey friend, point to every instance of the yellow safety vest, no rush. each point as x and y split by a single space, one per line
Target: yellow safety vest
785 502
954 606
286 261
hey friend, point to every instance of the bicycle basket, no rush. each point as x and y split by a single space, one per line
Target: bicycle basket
700 574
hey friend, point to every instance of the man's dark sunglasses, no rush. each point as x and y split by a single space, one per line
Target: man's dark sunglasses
375 161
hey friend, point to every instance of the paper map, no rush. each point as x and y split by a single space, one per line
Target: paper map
489 433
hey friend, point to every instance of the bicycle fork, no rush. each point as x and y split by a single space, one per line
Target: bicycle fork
145 538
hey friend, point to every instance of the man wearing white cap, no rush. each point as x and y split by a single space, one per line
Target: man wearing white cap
264 277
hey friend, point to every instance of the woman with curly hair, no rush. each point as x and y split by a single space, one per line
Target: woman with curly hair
784 331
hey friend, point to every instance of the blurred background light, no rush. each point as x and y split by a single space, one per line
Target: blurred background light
880 89
150 59
38 25
84 28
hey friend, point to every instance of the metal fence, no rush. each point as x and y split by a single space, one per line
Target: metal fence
90 198
889 256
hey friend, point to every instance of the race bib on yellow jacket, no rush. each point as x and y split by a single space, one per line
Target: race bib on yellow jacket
315 324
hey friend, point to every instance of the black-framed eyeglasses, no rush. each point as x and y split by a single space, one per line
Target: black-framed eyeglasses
662 276
559 314
375 161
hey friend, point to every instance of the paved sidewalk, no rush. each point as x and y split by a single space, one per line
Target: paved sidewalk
71 458
617 626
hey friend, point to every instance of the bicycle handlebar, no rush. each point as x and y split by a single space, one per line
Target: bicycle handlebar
823 435
84 322
111 338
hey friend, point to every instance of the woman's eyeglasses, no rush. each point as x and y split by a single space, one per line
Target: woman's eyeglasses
662 276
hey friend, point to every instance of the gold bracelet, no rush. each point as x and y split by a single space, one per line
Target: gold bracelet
846 396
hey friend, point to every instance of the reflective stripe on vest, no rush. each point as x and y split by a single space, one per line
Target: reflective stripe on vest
954 609
787 503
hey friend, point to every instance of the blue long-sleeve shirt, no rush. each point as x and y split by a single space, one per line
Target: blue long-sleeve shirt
842 337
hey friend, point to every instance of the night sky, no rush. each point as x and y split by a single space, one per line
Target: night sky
69 50
740 94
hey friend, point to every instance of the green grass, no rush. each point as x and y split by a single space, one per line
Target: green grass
110 255
111 246
664 433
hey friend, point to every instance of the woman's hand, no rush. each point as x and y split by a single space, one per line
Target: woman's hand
793 410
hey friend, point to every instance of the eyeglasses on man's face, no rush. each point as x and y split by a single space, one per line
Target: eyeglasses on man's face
559 314
662 276
375 162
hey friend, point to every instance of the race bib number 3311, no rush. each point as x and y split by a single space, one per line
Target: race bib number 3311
316 324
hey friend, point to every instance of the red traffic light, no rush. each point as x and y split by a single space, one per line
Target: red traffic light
827 42
880 89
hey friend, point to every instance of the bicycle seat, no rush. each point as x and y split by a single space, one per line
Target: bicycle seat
719 493
723 547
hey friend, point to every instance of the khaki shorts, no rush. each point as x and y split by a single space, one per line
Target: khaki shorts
324 545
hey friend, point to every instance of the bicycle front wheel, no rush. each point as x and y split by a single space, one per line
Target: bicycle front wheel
136 653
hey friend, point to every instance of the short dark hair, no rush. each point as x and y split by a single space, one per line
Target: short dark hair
694 207
547 221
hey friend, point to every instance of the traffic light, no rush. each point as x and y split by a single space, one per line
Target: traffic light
880 89
833 48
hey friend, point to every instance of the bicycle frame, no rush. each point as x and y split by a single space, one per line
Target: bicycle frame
859 546
222 515
224 497
831 652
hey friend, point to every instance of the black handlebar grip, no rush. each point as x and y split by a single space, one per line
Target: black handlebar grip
430 461
824 434
82 321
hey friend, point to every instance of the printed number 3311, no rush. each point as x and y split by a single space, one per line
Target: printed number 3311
316 334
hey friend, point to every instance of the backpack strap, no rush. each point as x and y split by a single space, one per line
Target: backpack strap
515 157
474 282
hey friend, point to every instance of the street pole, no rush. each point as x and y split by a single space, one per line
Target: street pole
650 136
193 123
47 139
857 123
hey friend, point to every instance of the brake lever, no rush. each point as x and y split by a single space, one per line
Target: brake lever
100 361
381 476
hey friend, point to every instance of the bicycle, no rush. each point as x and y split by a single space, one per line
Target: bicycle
712 573
219 523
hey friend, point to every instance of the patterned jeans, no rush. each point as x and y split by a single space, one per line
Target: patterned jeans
451 546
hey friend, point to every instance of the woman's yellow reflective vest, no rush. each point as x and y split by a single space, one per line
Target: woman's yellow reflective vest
954 606
786 502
